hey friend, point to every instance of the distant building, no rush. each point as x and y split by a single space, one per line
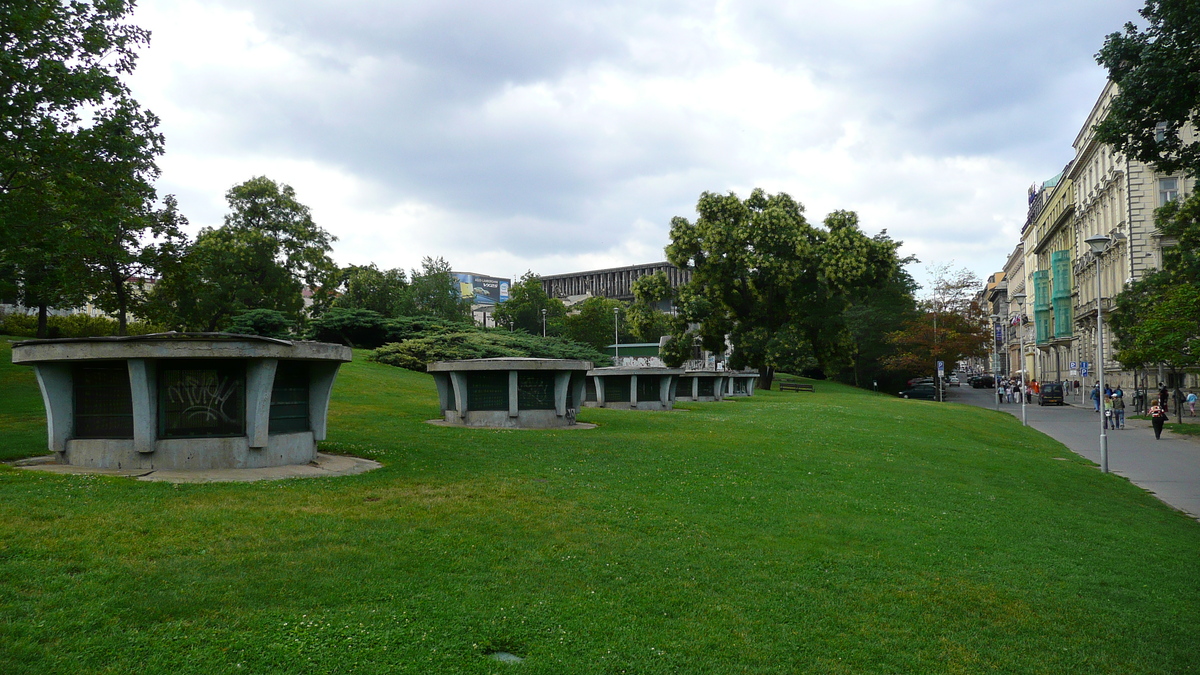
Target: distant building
615 283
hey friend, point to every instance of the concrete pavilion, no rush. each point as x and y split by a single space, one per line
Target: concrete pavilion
514 393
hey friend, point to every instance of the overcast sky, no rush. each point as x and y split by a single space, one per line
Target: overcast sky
559 136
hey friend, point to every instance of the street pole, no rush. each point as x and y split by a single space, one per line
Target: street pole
1098 244
543 322
995 361
1020 298
616 336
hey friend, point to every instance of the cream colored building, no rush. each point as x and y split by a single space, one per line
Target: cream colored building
1116 197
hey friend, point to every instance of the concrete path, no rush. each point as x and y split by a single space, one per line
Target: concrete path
324 466
1169 468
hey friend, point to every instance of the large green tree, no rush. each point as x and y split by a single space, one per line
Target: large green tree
1157 72
76 155
950 325
523 309
776 285
647 320
592 323
267 252
434 291
368 287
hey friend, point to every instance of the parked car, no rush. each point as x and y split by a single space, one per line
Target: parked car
921 391
983 382
953 381
1052 394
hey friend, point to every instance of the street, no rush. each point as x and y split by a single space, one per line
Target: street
1169 468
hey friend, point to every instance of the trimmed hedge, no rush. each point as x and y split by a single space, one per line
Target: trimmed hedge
71 326
416 353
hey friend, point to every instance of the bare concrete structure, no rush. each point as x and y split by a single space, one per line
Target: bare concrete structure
740 384
702 385
632 388
516 393
183 400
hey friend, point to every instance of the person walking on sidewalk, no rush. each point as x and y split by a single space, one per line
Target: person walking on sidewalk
1118 405
1109 419
1158 417
1191 401
1096 397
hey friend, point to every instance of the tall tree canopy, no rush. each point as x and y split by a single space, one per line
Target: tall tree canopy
774 283
434 291
950 325
381 291
77 205
264 256
1156 72
523 309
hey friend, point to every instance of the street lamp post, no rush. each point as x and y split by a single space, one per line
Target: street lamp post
543 322
1099 244
1020 299
995 360
616 336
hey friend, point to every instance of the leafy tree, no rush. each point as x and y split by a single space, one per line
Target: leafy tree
351 327
768 278
591 322
383 291
950 325
1158 90
262 258
646 319
523 309
434 291
870 319
76 154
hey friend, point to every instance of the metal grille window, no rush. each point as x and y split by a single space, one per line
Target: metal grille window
647 388
739 386
103 404
705 386
535 391
589 389
487 390
289 398
202 398
616 389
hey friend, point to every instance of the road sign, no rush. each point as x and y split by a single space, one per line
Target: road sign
1074 365
1083 368
941 368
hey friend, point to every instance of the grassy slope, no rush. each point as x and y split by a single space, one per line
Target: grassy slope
829 532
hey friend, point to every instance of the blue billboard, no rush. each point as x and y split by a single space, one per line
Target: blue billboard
482 290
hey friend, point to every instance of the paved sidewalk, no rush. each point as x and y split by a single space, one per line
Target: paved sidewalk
1169 468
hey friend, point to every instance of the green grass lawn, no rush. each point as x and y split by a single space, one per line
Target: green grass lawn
835 532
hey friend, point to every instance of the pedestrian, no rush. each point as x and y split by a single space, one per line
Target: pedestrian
1191 401
1028 393
1096 397
1109 420
1163 397
1118 409
1158 417
999 391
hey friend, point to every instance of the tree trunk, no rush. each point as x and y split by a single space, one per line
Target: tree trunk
765 375
42 330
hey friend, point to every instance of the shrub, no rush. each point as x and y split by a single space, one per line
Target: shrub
264 322
351 327
71 326
416 353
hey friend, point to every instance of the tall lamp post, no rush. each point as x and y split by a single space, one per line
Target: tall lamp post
616 336
1020 299
1099 244
543 322
995 360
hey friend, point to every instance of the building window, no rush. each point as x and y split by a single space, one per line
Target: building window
1160 132
289 398
103 404
1168 190
201 398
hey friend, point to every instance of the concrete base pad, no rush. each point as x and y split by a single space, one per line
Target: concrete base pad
325 465
577 425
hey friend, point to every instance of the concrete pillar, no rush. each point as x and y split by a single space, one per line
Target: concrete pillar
599 390
143 390
459 382
664 389
674 387
260 380
512 393
445 390
562 381
321 374
58 396
633 391
695 388
578 391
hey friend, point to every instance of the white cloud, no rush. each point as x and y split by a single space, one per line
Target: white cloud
560 136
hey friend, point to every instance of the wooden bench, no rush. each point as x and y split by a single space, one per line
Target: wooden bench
796 386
